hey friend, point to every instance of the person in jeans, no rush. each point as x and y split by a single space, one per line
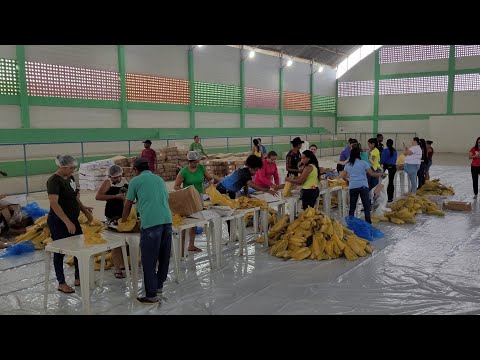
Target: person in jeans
413 158
113 192
65 207
309 179
151 194
357 169
389 160
474 155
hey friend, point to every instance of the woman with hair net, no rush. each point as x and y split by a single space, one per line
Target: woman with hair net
192 174
65 207
113 191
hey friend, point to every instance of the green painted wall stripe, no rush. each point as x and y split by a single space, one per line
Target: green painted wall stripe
9 100
68 102
123 86
156 106
191 80
336 105
451 79
467 71
406 117
311 96
321 113
262 111
354 118
280 93
376 92
14 136
242 90
22 77
296 113
413 75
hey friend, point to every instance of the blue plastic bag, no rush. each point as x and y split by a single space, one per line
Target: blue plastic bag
199 230
18 249
34 211
363 229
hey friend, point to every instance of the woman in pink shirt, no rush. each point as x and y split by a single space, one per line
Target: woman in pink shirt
263 176
474 155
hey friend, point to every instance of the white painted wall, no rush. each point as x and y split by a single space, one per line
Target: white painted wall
262 72
466 101
363 70
355 106
467 62
8 51
261 121
421 127
217 64
53 117
324 83
296 121
158 119
215 120
160 60
327 122
296 78
435 103
354 126
9 116
455 134
414 66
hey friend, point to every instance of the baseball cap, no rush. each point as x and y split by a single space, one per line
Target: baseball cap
147 142
297 141
140 162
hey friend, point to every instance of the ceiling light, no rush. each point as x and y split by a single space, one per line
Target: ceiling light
251 54
199 46
289 62
320 69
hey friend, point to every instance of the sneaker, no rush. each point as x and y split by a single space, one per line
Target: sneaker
159 291
147 300
474 196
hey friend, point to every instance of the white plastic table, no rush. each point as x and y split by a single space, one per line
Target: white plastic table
76 246
280 205
342 200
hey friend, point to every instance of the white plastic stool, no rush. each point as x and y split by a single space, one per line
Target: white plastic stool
404 185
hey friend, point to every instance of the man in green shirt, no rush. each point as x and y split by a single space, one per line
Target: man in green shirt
196 146
151 194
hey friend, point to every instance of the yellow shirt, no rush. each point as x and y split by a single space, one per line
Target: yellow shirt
376 163
312 179
258 153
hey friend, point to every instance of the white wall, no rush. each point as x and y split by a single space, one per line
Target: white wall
363 70
158 119
8 51
217 64
102 57
455 134
160 60
262 72
9 117
325 82
296 78
261 121
466 101
53 117
355 126
215 120
435 103
414 66
355 106
467 62
421 127
327 122
296 121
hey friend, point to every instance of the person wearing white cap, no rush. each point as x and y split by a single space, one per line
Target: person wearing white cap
113 191
192 174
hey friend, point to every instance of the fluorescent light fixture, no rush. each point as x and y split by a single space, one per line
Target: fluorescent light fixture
289 62
251 54
199 46
320 69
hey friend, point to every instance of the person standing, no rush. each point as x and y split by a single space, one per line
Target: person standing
357 169
150 192
150 155
389 161
264 149
374 160
113 191
192 174
293 157
309 179
256 149
65 207
345 154
380 143
474 155
196 146
423 164
269 170
413 158
429 158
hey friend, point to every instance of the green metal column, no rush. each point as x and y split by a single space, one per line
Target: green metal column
123 86
280 100
336 105
191 80
242 90
311 97
22 77
451 79
375 95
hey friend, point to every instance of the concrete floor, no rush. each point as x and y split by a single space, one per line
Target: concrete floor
427 268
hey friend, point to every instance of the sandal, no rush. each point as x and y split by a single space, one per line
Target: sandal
119 274
65 289
77 282
196 249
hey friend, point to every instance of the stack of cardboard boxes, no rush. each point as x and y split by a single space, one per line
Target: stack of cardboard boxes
224 164
169 161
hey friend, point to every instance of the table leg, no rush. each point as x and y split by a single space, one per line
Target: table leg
265 227
47 257
84 267
91 273
102 269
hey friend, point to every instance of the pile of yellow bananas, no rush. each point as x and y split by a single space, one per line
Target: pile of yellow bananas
177 220
329 239
38 233
131 224
434 187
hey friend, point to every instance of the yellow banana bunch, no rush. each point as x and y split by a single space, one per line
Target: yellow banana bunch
131 222
218 199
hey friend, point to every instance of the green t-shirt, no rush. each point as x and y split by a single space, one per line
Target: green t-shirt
66 189
364 156
196 147
151 194
196 178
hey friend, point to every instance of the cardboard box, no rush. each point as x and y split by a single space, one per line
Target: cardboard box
185 202
457 205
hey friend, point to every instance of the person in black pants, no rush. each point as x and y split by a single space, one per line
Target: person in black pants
474 155
423 164
65 207
389 159
113 191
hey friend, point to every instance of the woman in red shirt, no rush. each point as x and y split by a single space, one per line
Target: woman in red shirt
474 154
263 176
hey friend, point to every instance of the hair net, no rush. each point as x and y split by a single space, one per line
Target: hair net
65 160
193 155
115 170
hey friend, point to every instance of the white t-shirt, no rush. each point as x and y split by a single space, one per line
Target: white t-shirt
416 156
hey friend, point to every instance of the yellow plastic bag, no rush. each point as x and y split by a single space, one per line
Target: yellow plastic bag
128 225
218 199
